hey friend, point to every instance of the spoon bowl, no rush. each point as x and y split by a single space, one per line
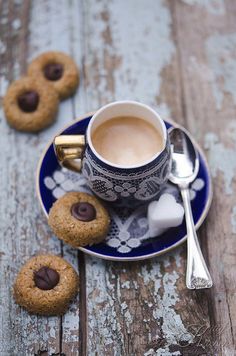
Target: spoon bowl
185 161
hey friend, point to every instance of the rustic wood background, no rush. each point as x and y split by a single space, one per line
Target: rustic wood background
179 56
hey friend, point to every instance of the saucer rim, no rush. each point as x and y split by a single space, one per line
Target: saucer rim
136 258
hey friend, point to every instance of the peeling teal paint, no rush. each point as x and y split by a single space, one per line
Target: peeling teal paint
215 7
233 219
222 160
221 54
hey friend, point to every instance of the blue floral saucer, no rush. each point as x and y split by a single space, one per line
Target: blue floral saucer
128 238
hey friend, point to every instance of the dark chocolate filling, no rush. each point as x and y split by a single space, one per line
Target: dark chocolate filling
53 71
46 278
83 211
28 101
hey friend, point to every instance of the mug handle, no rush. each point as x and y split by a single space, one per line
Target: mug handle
69 150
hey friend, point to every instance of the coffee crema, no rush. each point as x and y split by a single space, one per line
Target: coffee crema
127 140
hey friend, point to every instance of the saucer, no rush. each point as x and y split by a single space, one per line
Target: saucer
128 238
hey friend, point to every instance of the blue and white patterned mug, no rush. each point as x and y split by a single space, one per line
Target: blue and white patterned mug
112 182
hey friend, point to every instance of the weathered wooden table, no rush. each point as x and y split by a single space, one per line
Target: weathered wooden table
179 56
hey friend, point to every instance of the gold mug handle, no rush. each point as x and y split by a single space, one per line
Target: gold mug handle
69 150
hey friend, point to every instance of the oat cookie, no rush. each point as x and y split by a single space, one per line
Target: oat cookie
79 219
45 285
30 105
58 69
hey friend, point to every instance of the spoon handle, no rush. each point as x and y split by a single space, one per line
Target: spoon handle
197 276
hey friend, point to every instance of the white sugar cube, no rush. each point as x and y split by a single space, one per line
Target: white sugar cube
163 214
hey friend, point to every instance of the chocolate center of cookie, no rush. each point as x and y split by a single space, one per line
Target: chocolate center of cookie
28 101
46 278
53 71
83 211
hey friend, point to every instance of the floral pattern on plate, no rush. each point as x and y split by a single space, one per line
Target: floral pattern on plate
129 227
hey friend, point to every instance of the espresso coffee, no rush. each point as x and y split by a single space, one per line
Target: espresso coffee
127 141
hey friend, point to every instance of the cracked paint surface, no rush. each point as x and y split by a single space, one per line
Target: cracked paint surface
215 7
221 53
51 27
108 310
233 219
126 48
222 160
172 326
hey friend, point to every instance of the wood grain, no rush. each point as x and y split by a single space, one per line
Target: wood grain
179 57
138 308
23 231
24 226
206 60
120 313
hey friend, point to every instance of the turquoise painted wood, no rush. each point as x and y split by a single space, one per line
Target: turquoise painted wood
179 57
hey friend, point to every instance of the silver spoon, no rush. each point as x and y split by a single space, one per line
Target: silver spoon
185 166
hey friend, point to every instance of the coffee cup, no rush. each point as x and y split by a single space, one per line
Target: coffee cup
125 153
